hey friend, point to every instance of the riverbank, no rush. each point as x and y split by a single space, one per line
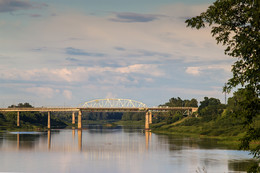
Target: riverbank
231 142
227 132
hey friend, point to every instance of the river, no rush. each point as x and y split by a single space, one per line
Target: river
116 150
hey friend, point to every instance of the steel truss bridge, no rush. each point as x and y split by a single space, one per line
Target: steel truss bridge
103 105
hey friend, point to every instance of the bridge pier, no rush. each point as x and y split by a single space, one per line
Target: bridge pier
150 118
73 117
79 120
146 121
49 120
18 119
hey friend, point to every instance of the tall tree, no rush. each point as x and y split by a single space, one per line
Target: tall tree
235 24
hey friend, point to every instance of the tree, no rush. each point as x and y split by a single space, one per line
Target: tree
178 102
210 108
235 24
21 105
136 117
192 103
208 102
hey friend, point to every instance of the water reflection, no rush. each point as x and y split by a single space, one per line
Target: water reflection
18 140
181 143
134 150
240 165
49 139
148 136
22 140
80 139
35 140
73 133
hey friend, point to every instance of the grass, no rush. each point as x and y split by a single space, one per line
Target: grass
231 142
226 133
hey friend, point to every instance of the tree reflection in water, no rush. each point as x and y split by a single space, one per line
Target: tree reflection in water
132 146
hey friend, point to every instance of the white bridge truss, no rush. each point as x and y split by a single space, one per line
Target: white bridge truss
113 103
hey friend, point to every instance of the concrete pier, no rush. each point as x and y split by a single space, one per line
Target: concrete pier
49 120
102 108
18 119
73 117
150 118
147 121
79 120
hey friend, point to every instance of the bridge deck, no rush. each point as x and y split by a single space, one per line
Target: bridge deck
74 109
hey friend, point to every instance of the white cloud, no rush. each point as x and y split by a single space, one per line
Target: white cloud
149 69
43 92
193 71
196 71
167 35
151 54
44 74
101 75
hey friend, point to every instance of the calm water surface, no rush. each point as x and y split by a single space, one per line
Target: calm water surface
115 150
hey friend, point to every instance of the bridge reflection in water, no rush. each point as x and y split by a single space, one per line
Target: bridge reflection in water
127 148
21 142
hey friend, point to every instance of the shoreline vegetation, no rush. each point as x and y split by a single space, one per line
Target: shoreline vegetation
213 120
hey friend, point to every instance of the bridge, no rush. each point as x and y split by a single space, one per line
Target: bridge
102 105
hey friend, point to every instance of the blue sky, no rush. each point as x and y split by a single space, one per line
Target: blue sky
56 53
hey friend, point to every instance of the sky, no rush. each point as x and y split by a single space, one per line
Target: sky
64 53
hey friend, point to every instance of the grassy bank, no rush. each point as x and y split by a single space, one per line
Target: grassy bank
196 127
225 130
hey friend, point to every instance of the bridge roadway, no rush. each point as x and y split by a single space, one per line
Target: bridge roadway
148 116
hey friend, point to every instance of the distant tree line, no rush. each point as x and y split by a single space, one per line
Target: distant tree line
209 109
21 105
178 102
29 120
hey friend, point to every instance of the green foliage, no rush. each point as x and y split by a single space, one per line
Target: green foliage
21 105
215 119
254 168
210 109
245 105
190 122
29 120
160 117
133 116
178 102
208 102
235 24
102 115
174 118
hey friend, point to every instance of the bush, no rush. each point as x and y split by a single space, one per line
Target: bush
174 118
190 122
